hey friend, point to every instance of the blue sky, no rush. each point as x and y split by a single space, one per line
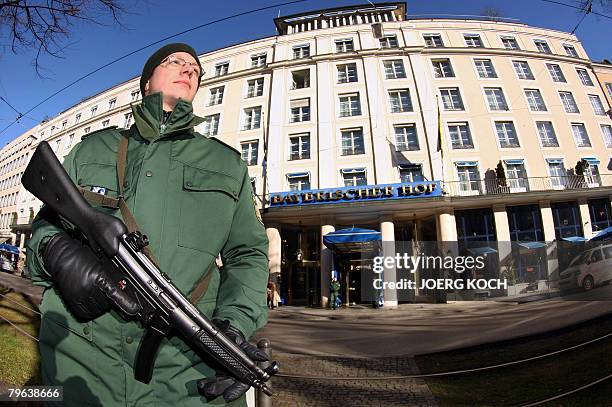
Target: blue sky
91 46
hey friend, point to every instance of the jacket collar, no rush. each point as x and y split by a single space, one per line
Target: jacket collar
148 118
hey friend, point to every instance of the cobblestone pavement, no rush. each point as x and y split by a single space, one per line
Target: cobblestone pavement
324 391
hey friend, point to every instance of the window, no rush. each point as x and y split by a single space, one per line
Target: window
105 123
258 61
249 151
252 118
135 95
216 96
597 106
556 172
542 46
52 130
495 99
510 43
86 130
516 174
70 140
400 100
300 110
433 40
580 135
460 135
301 51
352 142
467 172
300 147
77 118
570 51
64 124
347 73
485 69
255 87
210 125
609 88
299 181
56 149
601 218
394 69
300 79
344 45
406 138
606 131
388 41
127 120
442 68
350 105
94 110
535 100
584 77
591 172
222 69
506 134
548 138
111 104
411 173
569 104
451 99
556 73
473 40
522 70
354 177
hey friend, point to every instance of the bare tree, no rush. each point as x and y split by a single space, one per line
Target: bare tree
592 5
45 25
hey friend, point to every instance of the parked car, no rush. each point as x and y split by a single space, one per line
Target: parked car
588 270
6 265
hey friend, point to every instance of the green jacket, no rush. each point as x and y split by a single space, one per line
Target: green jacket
192 196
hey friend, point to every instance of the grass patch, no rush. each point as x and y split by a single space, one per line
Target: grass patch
527 382
19 357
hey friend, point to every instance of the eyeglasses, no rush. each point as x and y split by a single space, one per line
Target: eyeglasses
178 63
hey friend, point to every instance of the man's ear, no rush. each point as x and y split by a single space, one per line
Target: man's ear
146 89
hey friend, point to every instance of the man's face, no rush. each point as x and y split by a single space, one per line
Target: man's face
174 81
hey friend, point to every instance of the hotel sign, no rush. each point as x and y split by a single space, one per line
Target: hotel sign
425 189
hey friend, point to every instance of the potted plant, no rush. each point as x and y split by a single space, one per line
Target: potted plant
500 175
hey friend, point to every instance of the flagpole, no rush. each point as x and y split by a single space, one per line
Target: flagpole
440 137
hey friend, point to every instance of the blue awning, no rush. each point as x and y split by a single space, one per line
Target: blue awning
298 175
574 239
466 163
352 170
532 245
554 160
5 247
517 161
479 251
353 240
592 160
605 234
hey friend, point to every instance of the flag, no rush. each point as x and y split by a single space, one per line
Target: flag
440 135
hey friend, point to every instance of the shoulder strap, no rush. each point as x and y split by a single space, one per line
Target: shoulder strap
202 286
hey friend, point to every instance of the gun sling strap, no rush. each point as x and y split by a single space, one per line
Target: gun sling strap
202 285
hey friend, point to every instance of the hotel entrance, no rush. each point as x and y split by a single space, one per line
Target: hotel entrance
300 266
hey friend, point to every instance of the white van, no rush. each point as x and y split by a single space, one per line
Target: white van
590 269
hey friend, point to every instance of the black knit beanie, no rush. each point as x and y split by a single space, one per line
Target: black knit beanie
159 55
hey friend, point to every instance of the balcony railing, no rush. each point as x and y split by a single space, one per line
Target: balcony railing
530 184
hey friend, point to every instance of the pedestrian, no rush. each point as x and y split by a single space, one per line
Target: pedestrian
192 196
334 293
272 295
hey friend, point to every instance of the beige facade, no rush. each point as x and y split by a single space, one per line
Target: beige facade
330 103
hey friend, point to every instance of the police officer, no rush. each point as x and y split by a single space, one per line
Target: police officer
192 196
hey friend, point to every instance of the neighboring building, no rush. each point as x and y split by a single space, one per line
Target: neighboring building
354 99
603 73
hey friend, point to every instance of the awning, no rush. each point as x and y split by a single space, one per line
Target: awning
353 240
574 239
554 160
592 160
352 170
5 247
298 175
532 245
481 251
515 162
605 234
466 163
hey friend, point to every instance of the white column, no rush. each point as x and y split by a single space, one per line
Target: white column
327 264
502 230
328 152
548 224
387 230
274 252
448 231
585 218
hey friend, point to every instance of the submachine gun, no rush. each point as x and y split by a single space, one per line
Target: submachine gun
164 307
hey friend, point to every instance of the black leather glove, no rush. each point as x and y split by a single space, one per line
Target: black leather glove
222 383
86 287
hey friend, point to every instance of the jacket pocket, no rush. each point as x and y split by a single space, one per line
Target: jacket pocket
100 179
207 203
60 322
